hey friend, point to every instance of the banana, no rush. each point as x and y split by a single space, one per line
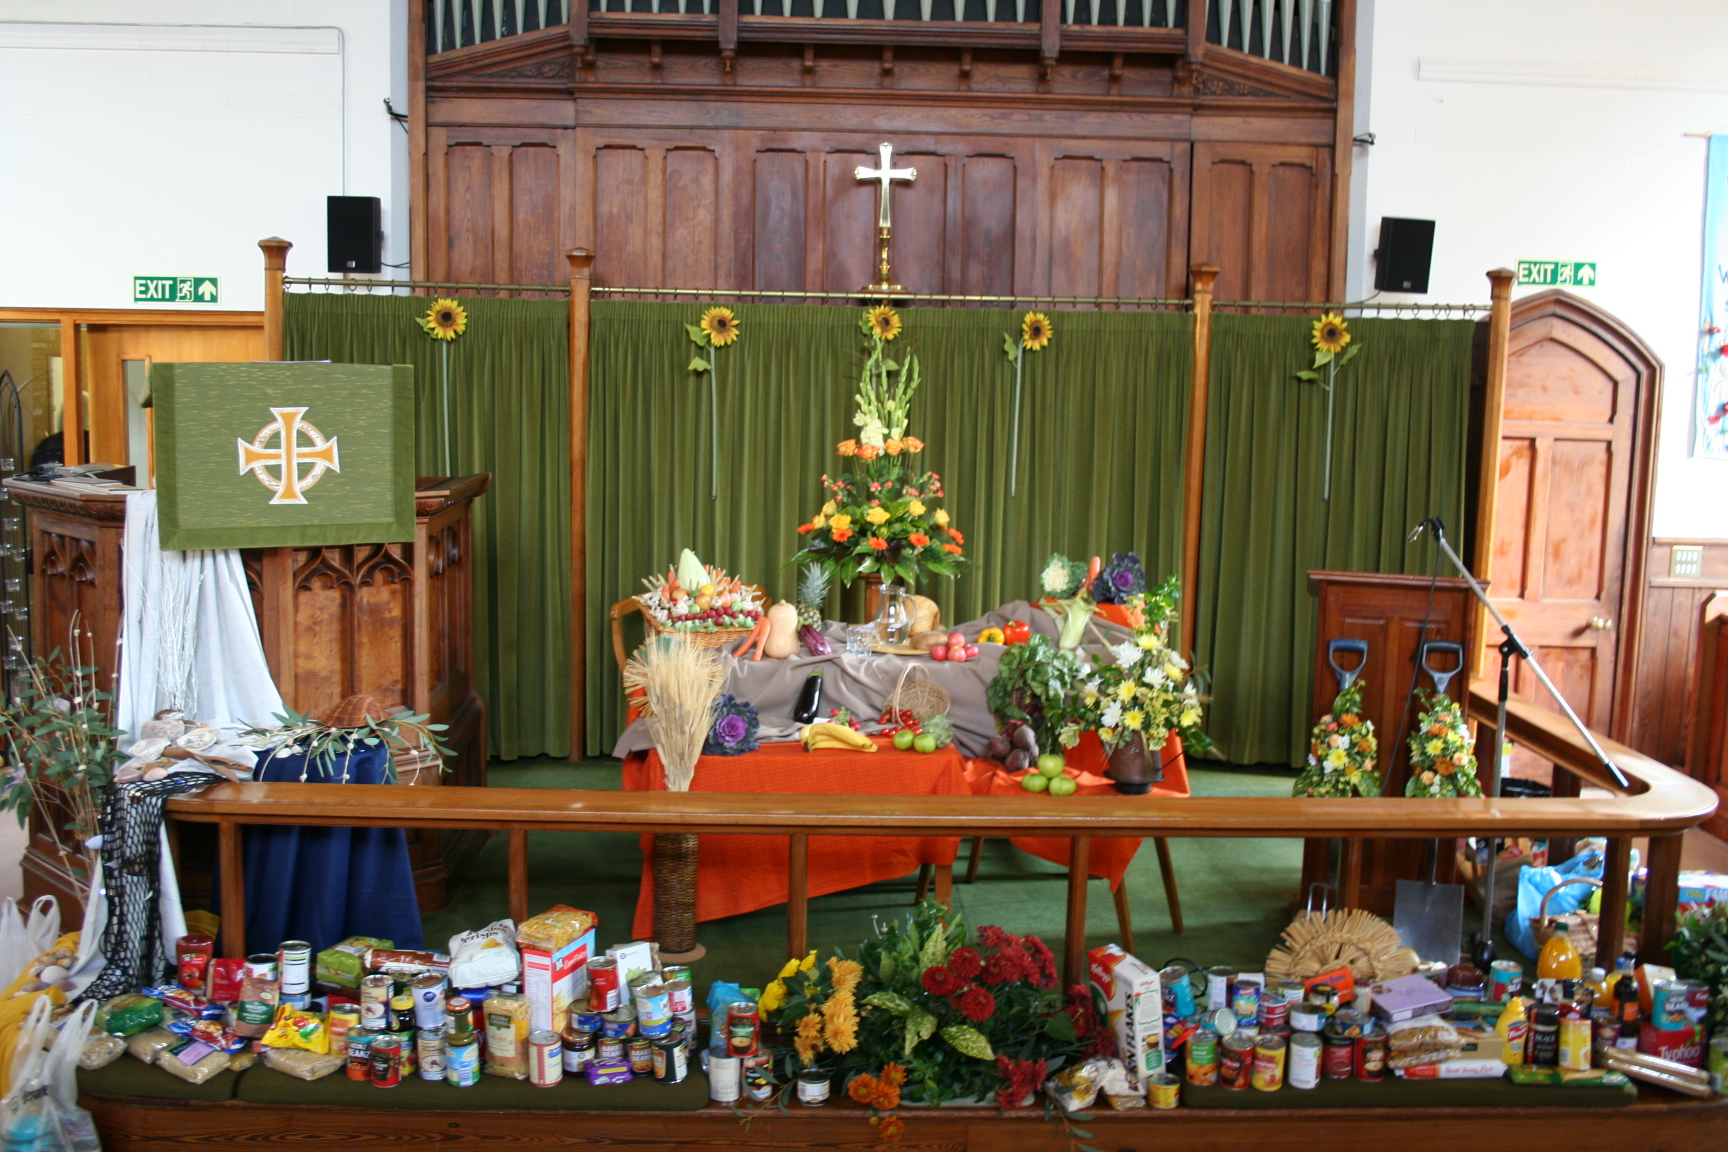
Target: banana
825 735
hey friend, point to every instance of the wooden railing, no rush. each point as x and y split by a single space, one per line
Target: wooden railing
1661 804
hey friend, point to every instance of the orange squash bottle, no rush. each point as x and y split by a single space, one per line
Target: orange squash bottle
1559 959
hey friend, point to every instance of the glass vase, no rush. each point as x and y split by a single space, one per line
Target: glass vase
895 621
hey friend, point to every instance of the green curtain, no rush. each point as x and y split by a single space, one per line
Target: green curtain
1398 455
509 404
1103 420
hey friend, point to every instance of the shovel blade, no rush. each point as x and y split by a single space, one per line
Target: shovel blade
1430 919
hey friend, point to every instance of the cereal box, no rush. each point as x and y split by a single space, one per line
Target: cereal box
1130 998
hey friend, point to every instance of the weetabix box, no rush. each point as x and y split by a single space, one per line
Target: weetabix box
552 981
1133 1003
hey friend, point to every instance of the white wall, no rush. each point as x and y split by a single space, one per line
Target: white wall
1567 142
167 137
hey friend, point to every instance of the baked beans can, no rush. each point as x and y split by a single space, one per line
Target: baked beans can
1203 1058
640 1051
1370 1055
724 1083
619 1023
1270 1052
743 1029
1505 980
462 1058
1307 1017
656 1029
1338 1058
1245 1000
1274 1011
603 991
1235 1061
1218 980
679 996
1671 1004
545 1059
610 1049
296 967
429 1052
1304 1061
386 1061
1177 990
263 965
375 1002
428 1001
359 1042
1163 1091
194 954
669 1062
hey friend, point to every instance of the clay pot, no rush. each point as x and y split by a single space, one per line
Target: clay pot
1133 769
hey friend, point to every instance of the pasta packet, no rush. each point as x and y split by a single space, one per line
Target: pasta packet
296 1028
100 1050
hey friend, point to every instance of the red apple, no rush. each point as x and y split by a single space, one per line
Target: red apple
939 652
956 639
971 651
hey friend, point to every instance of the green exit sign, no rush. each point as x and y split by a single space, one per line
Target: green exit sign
174 290
1557 273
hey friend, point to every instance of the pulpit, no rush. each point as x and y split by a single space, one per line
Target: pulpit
394 621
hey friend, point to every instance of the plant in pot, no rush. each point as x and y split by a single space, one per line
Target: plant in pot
1032 696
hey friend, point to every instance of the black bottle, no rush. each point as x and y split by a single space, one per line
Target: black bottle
809 699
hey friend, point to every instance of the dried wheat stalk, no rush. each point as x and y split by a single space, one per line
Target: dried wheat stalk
1317 943
678 683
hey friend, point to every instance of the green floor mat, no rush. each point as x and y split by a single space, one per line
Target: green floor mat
1393 1092
262 1085
129 1077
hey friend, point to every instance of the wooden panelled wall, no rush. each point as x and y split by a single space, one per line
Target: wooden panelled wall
1662 712
1107 174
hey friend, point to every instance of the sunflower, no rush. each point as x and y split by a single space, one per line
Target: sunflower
445 320
720 325
1331 333
884 322
1035 331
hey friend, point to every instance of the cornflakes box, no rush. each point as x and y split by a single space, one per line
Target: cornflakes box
1131 999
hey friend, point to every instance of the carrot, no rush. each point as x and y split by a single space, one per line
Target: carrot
1092 571
759 638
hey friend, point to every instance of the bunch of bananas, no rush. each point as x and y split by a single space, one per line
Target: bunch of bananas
817 736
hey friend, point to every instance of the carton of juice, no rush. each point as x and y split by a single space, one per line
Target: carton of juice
1133 1002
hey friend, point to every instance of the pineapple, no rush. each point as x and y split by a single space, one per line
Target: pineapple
812 595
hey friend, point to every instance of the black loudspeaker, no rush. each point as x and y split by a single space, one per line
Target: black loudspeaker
1406 249
354 229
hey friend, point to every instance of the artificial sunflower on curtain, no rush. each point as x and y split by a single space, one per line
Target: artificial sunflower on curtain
444 321
717 328
1036 332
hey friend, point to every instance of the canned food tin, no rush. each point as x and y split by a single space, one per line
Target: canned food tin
401 1011
610 1050
1269 1056
1221 1021
619 1023
410 1056
1670 1006
458 1012
1716 1063
603 991
462 1059
656 1029
1289 991
342 1020
1203 1058
723 1078
386 1061
1348 1022
673 972
1304 1062
296 967
1245 1000
1338 1058
586 1017
1505 979
651 1001
743 1029
359 1054
1163 1091
545 1059
429 1001
1307 1017
429 1052
1177 989
679 996
263 965
1274 1011
1218 986
669 1061
1235 1061
1370 1056
640 1052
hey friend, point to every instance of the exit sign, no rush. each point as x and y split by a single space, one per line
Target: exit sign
1557 273
174 290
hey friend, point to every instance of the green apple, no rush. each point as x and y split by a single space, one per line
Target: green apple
925 743
903 738
1051 764
1034 782
1063 786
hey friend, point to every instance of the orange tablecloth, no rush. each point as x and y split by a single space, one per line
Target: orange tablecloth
737 874
1110 855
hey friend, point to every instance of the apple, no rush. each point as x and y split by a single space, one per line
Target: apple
971 651
924 742
1033 782
903 739
939 652
1051 764
956 638
1063 786
956 653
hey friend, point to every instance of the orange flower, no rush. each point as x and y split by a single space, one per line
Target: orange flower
892 447
954 548
892 1129
804 528
847 447
868 451
841 535
878 543
893 1075
911 443
918 539
862 1088
809 1039
955 532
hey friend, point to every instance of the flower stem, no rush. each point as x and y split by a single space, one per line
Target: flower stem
1014 441
714 424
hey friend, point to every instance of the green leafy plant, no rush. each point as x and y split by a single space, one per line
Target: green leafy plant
1034 683
327 748
1700 952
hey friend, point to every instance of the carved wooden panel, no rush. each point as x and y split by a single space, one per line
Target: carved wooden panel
1261 215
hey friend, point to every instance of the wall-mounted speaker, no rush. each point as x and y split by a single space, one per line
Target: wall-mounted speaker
354 232
1406 249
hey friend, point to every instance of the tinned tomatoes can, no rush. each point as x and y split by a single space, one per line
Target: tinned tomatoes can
604 994
1235 1061
1270 1052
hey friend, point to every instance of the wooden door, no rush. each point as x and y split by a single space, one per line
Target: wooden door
109 346
1262 216
1572 519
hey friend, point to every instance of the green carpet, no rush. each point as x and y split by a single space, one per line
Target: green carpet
1235 893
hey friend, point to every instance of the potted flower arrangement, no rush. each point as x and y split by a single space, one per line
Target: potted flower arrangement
1341 751
881 517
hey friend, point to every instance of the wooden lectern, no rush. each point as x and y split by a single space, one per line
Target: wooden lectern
1386 612
394 621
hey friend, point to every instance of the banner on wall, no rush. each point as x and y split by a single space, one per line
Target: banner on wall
1710 403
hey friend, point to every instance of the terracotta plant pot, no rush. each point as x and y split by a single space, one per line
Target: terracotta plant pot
1132 769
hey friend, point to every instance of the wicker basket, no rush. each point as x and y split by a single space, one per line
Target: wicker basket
1582 926
919 697
718 638
675 891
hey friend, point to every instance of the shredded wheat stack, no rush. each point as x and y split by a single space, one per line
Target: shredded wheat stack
678 683
1319 942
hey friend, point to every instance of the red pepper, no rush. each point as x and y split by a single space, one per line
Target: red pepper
1016 632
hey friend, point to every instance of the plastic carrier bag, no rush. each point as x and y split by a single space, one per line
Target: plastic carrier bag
40 1111
1535 883
23 938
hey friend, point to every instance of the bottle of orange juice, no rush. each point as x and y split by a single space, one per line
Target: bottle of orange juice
1559 959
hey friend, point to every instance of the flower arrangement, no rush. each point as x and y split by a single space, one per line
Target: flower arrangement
881 517
1147 690
1341 751
1442 762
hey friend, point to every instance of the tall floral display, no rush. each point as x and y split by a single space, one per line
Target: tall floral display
882 515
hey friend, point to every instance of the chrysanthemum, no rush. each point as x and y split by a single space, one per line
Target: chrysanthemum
808 1041
840 1022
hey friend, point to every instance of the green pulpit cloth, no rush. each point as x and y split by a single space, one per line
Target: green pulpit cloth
283 455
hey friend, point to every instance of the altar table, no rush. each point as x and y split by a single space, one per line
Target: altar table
738 874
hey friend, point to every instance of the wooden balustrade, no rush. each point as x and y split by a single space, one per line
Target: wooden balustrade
1661 804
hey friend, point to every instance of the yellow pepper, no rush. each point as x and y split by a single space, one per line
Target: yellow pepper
991 636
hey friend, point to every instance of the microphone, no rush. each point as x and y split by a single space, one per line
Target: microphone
1416 532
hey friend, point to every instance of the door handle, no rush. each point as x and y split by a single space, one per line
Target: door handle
1599 623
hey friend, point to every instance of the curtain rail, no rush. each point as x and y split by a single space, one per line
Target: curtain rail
910 296
1348 306
368 285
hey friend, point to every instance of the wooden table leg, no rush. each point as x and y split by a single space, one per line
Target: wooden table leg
797 894
1661 895
1074 942
231 866
1124 922
1611 929
972 864
924 871
1350 878
518 875
1168 872
945 886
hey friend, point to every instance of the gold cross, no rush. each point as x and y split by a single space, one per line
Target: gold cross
884 175
255 458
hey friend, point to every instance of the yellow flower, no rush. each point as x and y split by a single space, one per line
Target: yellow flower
840 1022
884 322
445 320
791 969
720 325
877 515
818 520
846 973
1331 333
830 508
773 996
840 523
1434 747
1134 718
941 517
809 1039
808 964
1035 331
916 507
1336 758
1190 717
1125 691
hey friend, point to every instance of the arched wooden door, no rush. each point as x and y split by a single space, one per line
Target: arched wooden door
1572 524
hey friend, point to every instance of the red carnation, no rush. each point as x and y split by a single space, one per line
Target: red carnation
1041 955
1021 1079
975 1004
993 937
966 963
1000 969
939 981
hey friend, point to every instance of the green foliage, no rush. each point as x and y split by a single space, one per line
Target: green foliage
59 744
323 745
1700 952
1033 683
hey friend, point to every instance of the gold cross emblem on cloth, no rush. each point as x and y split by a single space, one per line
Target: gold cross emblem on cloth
288 456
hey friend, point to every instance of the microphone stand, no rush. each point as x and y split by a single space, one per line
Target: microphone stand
1510 647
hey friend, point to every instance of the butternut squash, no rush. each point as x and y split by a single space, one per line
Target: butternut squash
782 631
